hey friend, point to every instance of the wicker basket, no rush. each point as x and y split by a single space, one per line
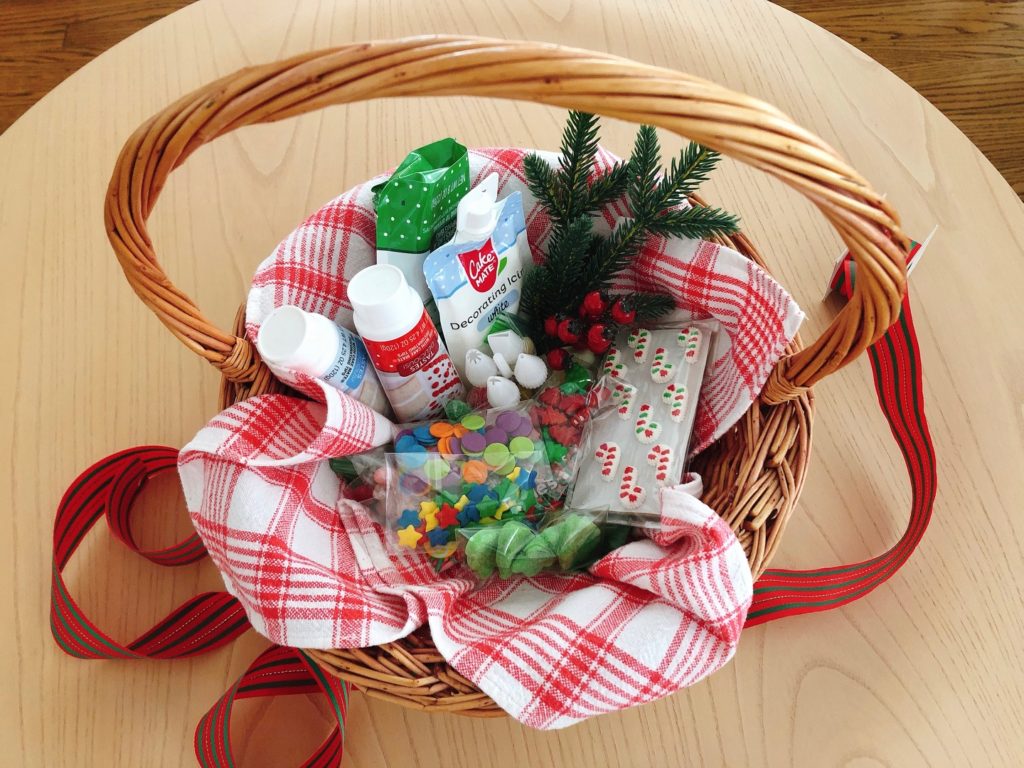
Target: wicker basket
752 476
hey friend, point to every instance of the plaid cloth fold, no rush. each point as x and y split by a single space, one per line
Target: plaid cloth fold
312 570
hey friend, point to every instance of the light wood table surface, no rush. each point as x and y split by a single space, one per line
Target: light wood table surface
924 672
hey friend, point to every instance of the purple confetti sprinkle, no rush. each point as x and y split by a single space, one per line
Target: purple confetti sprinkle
496 435
473 442
507 420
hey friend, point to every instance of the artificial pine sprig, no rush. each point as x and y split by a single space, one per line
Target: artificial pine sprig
651 306
655 204
569 249
568 192
580 262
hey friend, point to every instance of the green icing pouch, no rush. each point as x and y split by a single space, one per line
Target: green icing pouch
416 207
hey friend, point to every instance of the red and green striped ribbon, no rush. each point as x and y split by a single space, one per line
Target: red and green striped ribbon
896 364
276 672
110 487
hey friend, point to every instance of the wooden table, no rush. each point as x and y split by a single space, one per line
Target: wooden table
926 671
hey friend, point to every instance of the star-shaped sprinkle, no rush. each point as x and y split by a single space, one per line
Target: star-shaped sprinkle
409 537
447 516
487 507
407 518
468 514
438 536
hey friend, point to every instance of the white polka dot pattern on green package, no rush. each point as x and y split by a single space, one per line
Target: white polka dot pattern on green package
416 206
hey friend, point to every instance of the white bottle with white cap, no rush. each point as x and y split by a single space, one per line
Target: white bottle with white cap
413 365
295 340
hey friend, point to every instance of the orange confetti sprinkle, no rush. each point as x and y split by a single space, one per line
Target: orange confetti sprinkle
441 429
474 471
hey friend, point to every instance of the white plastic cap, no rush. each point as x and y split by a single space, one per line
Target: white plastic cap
477 214
384 305
298 340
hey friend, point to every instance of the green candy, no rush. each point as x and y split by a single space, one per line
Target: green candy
552 537
456 410
579 539
528 499
579 376
436 469
555 451
534 557
614 536
496 455
501 489
521 447
473 422
481 550
513 537
487 507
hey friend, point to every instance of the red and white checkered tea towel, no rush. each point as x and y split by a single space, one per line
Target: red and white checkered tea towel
312 569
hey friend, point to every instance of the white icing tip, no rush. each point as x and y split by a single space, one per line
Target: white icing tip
479 367
503 367
531 372
502 392
508 344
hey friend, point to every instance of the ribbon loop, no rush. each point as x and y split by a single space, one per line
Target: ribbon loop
896 364
110 487
276 672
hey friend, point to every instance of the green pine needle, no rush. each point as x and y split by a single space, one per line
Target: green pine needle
569 257
686 173
615 253
644 163
540 180
695 222
651 306
579 148
608 187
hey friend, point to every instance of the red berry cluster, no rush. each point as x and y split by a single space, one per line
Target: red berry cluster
600 316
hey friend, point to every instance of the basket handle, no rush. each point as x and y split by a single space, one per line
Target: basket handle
734 124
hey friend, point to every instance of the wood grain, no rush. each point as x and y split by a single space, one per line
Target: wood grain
44 41
965 56
924 672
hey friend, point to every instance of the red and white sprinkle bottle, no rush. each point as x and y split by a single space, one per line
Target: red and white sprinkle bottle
413 365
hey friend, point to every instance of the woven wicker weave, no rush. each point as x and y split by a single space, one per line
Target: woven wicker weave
752 476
